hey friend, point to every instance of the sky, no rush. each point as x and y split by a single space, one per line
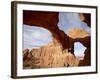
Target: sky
79 49
69 20
36 37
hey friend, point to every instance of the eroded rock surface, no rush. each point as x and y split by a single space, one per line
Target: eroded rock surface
51 55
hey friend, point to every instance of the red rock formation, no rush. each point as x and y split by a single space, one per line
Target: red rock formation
59 53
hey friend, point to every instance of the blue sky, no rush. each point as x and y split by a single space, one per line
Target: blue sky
69 20
35 37
79 49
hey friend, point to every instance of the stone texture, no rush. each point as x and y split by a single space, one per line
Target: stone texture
77 33
50 56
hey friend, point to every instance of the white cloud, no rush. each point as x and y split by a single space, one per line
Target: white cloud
35 37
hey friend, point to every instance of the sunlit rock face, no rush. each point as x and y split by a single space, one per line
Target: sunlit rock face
77 33
50 56
54 56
